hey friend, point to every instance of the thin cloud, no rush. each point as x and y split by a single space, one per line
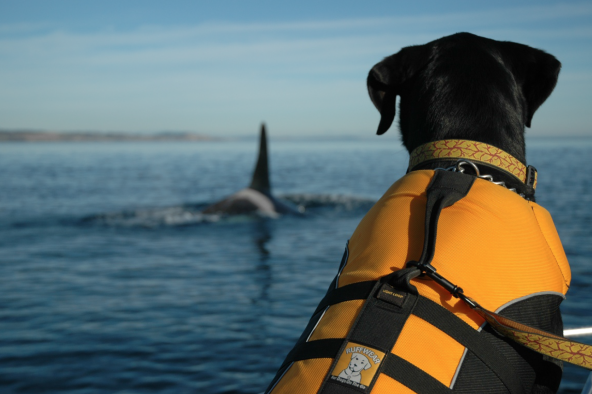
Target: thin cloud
156 34
308 72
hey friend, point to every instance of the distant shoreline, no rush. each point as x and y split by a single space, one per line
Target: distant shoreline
181 136
96 136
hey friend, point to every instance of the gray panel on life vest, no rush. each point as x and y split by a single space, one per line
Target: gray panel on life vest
475 377
535 371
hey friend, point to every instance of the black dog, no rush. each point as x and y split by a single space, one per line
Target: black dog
476 95
468 87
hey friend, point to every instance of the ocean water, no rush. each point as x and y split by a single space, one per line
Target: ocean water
111 281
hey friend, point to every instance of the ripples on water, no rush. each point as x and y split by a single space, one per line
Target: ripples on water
113 281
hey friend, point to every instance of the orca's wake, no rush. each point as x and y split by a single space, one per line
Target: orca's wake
309 205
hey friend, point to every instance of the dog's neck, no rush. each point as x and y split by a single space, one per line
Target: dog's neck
489 160
511 142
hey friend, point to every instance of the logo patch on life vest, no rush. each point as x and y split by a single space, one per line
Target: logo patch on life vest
357 365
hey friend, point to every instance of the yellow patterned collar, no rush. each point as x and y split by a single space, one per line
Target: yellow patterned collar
475 151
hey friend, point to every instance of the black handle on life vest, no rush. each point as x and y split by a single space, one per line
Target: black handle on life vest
445 189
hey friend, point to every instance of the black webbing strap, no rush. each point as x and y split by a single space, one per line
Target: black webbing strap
354 291
373 335
322 348
339 389
470 338
409 375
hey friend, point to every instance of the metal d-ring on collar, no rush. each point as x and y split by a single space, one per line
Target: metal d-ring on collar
458 167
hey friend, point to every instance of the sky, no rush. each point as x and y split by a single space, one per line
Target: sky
222 67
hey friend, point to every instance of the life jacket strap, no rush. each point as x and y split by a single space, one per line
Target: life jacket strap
354 291
322 348
409 375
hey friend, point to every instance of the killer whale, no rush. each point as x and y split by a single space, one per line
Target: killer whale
257 197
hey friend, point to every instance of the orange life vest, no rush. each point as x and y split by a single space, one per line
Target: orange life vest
503 250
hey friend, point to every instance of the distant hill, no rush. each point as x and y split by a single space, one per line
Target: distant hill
83 136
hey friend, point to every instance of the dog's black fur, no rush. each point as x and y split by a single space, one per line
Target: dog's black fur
464 87
468 87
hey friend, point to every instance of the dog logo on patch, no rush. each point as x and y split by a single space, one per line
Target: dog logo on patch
357 365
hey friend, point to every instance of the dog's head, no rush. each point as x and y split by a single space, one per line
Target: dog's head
359 362
463 87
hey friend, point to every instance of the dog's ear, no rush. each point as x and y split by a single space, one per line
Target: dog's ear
386 78
538 72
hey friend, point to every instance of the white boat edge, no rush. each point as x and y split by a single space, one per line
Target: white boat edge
577 332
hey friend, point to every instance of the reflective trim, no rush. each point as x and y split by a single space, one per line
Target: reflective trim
318 321
343 263
280 378
460 363
501 308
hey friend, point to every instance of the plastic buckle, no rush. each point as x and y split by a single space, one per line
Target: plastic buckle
430 271
424 268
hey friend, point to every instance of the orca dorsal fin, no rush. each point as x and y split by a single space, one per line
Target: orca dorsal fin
260 181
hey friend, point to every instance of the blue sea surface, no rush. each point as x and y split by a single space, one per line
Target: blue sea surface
112 281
